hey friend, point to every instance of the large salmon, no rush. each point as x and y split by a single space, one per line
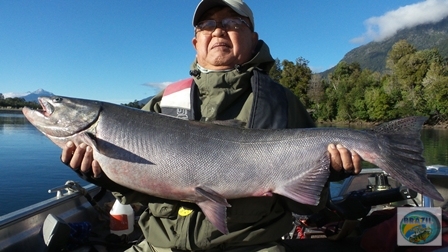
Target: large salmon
206 163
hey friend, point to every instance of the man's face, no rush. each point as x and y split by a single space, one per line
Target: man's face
223 49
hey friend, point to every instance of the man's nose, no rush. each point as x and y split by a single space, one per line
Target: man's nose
219 31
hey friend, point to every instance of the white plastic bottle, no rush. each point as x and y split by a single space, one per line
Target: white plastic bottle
121 219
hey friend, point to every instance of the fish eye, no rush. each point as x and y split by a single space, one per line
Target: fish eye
57 99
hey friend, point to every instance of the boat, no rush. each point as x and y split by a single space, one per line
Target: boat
60 223
52 224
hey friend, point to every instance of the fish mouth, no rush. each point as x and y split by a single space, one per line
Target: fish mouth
47 108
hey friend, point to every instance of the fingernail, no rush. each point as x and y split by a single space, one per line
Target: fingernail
82 145
332 146
339 146
69 144
88 149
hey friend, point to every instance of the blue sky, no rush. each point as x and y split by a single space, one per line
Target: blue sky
122 50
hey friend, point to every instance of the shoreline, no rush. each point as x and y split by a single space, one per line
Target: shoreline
443 125
10 111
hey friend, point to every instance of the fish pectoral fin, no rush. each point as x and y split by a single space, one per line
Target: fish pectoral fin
89 140
307 187
111 150
214 208
212 196
216 214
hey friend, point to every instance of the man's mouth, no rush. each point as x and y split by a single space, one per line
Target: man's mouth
220 44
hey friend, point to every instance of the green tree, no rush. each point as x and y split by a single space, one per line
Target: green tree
344 85
379 105
17 102
409 68
416 84
435 86
134 104
329 109
296 76
276 71
398 51
316 94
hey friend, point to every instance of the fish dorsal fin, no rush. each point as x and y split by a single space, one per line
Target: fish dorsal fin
214 208
404 126
307 187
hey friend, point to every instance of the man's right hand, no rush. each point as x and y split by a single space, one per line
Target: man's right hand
80 158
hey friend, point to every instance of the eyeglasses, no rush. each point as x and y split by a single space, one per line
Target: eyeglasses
207 27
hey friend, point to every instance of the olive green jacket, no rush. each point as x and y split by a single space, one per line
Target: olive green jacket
257 220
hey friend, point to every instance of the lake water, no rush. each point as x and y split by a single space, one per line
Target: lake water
30 165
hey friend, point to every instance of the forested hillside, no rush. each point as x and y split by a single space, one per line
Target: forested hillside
426 36
415 83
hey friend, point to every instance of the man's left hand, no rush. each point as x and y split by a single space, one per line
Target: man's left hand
342 159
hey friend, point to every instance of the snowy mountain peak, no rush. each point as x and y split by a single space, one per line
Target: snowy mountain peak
29 96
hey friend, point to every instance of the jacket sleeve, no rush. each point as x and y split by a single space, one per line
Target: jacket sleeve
154 104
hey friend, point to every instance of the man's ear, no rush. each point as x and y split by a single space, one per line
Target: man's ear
194 41
255 37
254 40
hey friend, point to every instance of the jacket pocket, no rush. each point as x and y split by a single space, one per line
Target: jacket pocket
163 210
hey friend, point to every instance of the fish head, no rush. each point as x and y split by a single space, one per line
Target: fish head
62 117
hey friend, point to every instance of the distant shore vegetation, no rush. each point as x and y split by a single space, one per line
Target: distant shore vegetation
415 83
12 103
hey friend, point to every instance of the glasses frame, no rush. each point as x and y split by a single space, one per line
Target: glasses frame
197 29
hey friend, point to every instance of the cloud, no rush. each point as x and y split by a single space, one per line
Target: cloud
157 86
380 28
12 94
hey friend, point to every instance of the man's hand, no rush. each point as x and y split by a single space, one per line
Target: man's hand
80 158
343 159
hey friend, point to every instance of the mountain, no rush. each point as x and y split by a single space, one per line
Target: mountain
29 96
34 95
373 55
146 100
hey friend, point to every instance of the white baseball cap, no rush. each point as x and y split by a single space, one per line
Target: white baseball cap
239 6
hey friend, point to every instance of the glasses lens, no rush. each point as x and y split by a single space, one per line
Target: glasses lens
228 24
231 24
207 26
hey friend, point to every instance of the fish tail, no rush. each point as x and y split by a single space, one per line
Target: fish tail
402 154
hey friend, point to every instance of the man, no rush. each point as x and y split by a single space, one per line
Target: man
229 81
